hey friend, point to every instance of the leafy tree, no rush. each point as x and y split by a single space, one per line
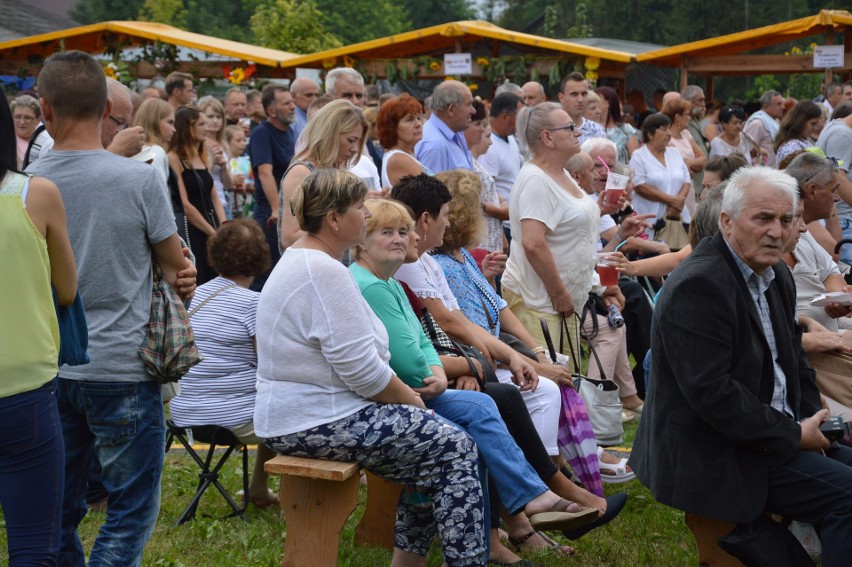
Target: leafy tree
96 11
355 21
171 12
292 25
426 13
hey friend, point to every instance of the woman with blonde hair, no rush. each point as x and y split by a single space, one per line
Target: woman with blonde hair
203 211
334 138
157 118
217 147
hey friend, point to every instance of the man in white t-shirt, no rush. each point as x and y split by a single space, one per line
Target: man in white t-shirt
503 160
763 125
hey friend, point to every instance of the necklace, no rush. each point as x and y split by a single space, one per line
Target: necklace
320 240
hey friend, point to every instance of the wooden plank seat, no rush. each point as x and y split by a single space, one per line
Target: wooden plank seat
317 497
707 532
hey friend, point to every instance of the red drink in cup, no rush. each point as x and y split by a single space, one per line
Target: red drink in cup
606 271
615 186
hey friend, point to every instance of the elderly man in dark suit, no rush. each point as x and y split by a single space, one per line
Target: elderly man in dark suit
731 420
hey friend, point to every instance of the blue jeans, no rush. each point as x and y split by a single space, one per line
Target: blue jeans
516 481
31 475
124 425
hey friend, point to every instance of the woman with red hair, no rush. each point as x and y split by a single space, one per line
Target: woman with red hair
400 127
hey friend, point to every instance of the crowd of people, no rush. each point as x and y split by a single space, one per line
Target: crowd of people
410 285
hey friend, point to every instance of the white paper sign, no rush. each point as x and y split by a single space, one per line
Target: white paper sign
826 56
458 64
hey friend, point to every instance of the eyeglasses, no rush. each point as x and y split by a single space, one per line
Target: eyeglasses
121 125
570 127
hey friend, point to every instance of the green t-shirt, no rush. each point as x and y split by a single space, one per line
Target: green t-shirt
411 351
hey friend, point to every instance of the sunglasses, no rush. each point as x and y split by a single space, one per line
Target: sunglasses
570 127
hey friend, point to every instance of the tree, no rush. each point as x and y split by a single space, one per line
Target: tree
292 25
171 12
96 11
355 21
426 13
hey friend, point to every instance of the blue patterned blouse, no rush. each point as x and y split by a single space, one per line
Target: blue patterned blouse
477 299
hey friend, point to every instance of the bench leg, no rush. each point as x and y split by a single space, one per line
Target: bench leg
315 511
707 533
378 525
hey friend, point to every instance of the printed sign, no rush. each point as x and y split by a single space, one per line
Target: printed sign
458 64
828 56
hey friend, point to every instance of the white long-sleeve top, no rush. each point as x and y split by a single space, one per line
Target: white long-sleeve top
321 350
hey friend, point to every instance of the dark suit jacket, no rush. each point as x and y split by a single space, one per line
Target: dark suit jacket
708 436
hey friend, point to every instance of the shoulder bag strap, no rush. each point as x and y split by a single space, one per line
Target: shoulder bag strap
594 353
211 296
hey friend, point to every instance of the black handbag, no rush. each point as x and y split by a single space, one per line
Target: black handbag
445 345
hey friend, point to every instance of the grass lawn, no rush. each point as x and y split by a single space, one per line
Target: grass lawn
646 533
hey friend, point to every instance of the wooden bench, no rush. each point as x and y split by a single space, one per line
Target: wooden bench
707 532
317 497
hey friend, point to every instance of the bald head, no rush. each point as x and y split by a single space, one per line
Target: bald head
670 96
582 169
533 93
304 90
121 111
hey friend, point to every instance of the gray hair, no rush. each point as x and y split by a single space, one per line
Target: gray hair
598 145
531 122
747 177
509 87
577 162
842 110
115 87
26 101
832 88
447 93
342 73
766 98
690 92
807 167
705 221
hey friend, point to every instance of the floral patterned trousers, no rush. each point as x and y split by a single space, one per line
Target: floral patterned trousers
407 445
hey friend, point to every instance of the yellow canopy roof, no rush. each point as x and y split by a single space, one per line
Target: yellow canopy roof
92 39
750 39
443 37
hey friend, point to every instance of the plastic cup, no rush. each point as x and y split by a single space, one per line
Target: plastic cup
606 271
615 186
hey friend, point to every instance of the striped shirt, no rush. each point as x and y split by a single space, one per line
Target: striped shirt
221 389
757 285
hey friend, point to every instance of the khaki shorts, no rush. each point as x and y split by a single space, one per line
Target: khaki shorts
530 319
245 433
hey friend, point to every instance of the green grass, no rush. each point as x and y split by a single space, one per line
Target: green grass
646 533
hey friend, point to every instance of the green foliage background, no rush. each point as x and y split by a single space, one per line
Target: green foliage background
304 26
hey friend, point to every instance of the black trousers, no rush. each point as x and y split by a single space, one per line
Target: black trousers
637 315
817 489
514 412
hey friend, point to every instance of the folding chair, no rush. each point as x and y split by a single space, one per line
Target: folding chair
212 435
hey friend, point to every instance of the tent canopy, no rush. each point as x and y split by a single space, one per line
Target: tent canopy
449 36
724 55
27 53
